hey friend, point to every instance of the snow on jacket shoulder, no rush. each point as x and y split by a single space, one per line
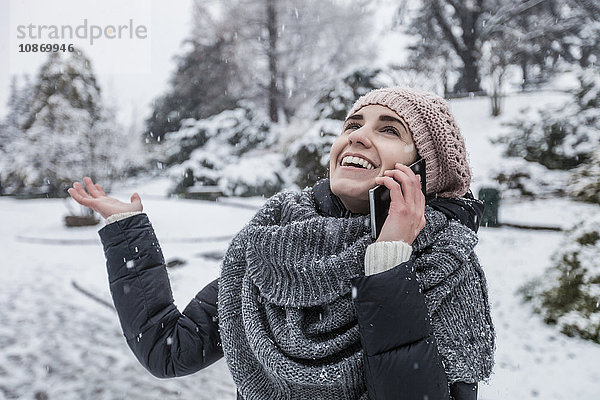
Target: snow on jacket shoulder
166 342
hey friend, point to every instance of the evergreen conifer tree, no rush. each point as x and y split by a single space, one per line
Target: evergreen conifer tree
64 133
200 87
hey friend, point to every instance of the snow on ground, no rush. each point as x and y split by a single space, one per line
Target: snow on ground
533 360
59 344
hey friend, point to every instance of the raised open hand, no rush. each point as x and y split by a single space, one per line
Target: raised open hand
98 201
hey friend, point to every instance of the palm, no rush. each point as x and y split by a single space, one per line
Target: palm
98 201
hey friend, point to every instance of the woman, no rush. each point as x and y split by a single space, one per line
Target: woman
308 306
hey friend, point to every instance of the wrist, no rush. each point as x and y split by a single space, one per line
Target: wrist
119 216
386 238
382 256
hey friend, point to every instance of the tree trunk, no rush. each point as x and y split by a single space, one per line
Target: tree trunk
525 81
272 54
445 83
469 81
496 95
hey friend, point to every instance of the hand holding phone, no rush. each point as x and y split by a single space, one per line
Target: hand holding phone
380 199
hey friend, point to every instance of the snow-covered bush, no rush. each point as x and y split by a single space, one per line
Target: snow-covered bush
585 180
517 177
236 131
309 154
568 294
258 174
200 152
561 138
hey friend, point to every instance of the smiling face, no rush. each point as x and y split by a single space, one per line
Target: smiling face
372 141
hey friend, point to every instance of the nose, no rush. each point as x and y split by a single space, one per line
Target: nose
361 136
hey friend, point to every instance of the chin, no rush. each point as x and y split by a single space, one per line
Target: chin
347 189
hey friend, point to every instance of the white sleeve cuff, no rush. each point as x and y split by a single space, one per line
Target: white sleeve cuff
120 216
381 256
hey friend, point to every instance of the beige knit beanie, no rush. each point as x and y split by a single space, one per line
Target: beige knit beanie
436 136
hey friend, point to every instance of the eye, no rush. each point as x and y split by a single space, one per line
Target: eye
351 125
392 130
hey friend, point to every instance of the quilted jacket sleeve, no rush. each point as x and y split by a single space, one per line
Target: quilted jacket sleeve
166 342
401 357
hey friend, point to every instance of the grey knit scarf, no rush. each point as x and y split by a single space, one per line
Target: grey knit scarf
288 326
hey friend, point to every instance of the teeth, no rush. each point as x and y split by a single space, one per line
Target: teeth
355 160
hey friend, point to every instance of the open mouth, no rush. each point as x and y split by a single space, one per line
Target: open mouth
356 162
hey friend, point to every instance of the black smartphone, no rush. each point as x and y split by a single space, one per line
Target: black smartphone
379 199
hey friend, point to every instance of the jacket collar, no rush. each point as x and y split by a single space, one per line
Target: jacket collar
465 209
328 204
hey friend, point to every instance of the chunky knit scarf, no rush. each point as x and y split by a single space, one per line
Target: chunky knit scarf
287 322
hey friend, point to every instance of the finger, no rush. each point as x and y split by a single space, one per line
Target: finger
73 193
78 198
80 190
403 180
414 181
100 189
410 173
393 186
396 173
406 169
91 187
135 198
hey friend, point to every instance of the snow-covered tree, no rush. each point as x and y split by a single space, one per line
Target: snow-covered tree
230 150
199 88
257 173
429 52
585 180
580 31
568 294
19 101
309 154
536 33
65 134
18 105
518 178
561 138
337 97
285 51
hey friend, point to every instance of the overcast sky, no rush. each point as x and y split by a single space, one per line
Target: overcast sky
130 72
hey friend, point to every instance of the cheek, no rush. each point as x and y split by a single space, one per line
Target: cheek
335 150
403 154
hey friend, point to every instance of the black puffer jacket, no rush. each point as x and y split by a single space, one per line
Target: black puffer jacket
401 358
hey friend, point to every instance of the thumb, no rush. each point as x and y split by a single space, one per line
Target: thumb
135 198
